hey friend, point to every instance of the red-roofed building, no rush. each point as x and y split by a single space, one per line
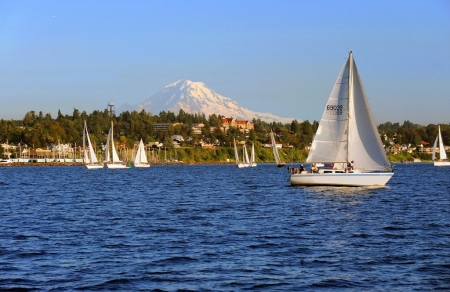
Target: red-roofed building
243 125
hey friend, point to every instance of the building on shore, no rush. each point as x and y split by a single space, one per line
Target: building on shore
244 126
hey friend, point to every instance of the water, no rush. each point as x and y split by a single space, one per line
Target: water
219 228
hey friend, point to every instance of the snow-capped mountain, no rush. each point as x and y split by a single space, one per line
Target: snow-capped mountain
196 97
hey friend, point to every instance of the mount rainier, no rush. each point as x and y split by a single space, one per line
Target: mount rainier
196 97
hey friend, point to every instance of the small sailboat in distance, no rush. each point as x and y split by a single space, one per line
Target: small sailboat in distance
236 156
112 162
141 157
89 158
443 161
275 151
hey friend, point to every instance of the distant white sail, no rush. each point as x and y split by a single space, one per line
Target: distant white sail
85 153
236 155
90 159
141 157
115 157
433 157
275 150
274 147
246 159
252 156
116 163
442 155
91 149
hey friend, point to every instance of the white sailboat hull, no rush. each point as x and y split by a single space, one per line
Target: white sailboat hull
442 163
116 166
341 179
94 166
242 165
142 165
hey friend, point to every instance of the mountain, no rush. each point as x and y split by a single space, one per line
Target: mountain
196 97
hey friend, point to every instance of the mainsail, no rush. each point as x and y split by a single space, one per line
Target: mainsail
115 157
93 157
442 154
433 157
85 153
245 153
274 148
236 155
330 141
91 150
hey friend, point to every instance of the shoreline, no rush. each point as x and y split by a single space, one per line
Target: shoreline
56 164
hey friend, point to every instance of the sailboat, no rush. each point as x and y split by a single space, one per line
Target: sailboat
275 151
112 162
141 157
443 161
245 162
92 162
347 132
252 162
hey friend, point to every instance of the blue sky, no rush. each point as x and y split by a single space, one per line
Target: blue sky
274 56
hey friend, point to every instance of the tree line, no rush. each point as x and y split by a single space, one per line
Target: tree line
414 134
38 130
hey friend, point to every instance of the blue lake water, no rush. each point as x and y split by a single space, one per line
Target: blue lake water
219 228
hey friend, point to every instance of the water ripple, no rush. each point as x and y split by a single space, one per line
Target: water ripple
216 227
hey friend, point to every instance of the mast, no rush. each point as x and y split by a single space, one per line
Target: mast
84 142
112 142
236 155
350 102
107 147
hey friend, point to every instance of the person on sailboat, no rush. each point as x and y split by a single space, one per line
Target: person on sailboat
314 168
349 166
302 168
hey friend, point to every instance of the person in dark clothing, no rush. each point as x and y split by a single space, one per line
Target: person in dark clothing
302 168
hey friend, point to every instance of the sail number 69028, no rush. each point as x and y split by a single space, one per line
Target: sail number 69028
334 109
